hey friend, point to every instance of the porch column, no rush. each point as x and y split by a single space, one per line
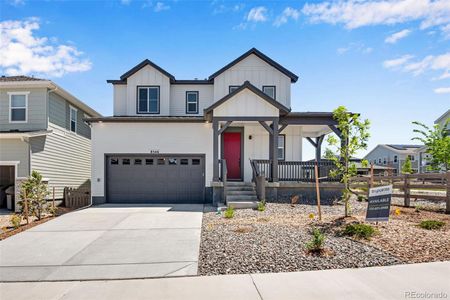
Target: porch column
215 125
319 141
275 150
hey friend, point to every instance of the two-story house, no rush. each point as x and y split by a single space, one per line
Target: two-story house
42 129
182 141
394 156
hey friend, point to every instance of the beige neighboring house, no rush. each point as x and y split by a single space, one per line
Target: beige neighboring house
443 119
42 129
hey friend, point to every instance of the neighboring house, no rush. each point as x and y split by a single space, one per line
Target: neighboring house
444 120
42 129
394 156
169 139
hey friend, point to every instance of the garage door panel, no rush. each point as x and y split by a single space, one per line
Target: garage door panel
155 179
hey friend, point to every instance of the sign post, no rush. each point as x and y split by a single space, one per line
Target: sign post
379 204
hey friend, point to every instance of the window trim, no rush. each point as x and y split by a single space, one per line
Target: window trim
148 100
71 108
232 86
10 94
284 147
274 90
196 102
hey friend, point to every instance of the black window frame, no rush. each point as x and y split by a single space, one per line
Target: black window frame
196 102
284 147
148 107
274 90
232 86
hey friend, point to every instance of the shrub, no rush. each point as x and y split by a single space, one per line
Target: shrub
418 208
229 212
317 241
361 198
15 220
261 205
431 224
359 231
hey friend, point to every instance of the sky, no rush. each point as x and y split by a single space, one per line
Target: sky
387 60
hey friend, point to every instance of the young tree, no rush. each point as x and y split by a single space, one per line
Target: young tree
437 141
407 166
356 134
35 192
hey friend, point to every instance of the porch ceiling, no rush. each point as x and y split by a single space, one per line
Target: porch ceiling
313 131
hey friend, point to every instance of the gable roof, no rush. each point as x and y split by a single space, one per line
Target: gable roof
442 117
145 62
262 56
252 88
4 78
403 147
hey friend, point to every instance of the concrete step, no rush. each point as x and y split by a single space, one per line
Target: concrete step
241 198
239 183
240 192
242 204
240 189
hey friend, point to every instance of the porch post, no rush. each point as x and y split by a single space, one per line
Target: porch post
319 141
275 150
215 157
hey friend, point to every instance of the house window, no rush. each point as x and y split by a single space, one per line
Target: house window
232 88
73 119
395 158
384 160
18 104
269 90
411 157
281 146
379 161
148 100
192 102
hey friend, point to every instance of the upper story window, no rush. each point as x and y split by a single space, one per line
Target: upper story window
232 88
192 102
18 107
281 147
148 100
73 119
411 157
269 90
395 158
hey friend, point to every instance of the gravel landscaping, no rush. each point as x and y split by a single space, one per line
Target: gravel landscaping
274 240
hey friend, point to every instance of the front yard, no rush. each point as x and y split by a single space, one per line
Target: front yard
274 240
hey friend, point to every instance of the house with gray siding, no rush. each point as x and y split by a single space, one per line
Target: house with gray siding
394 156
42 129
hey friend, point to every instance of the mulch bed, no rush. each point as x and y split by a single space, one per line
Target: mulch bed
11 231
274 240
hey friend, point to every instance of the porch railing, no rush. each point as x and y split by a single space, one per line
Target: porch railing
302 171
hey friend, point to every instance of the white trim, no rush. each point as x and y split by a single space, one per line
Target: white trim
14 163
70 118
25 93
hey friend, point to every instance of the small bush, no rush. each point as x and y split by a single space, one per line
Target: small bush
317 241
431 224
418 208
15 220
361 198
359 231
261 205
229 212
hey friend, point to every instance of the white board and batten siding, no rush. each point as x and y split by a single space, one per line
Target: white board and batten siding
259 73
63 157
143 138
244 104
178 98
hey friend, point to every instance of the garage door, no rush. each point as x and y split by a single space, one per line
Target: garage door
155 179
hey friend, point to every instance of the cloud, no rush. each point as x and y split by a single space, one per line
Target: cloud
355 47
16 2
223 8
257 14
393 38
356 13
442 90
125 2
160 6
24 53
288 13
439 63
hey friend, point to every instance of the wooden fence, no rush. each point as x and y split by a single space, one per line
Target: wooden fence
407 183
77 197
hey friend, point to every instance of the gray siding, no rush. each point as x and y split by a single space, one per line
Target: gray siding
16 150
64 158
59 114
37 110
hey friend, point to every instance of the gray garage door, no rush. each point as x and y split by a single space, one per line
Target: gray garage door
155 179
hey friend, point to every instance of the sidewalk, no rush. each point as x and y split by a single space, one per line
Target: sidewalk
394 282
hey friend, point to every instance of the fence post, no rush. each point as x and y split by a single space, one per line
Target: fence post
407 192
447 206
25 206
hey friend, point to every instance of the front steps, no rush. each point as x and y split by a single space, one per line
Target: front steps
241 195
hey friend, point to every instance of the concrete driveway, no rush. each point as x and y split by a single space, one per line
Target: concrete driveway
107 242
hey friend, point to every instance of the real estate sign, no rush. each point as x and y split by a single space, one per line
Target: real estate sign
379 203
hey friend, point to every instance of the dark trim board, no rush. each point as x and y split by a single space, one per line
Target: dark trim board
137 100
241 130
147 119
191 81
198 102
142 64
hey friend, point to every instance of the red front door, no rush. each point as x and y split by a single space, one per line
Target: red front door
232 154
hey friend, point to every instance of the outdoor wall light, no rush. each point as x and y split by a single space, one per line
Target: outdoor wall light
250 137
